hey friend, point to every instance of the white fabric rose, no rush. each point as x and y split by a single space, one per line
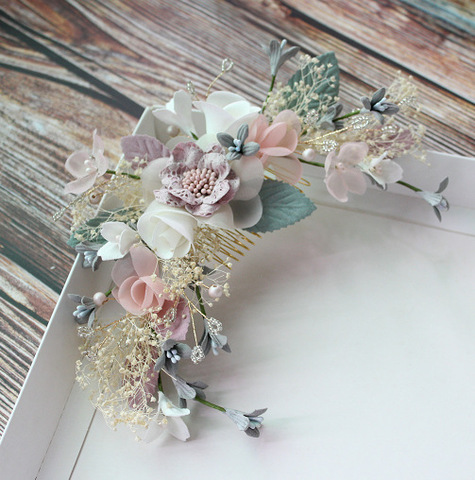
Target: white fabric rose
120 238
168 231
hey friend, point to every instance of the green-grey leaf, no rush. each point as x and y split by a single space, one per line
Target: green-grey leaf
324 84
90 231
283 205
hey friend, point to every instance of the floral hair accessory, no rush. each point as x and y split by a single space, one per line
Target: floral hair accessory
183 203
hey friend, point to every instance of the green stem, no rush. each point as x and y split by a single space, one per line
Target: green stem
160 384
200 301
130 175
315 164
347 115
408 185
272 83
108 292
210 404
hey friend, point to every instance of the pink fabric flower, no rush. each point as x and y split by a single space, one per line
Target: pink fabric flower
140 290
277 144
201 182
342 173
86 167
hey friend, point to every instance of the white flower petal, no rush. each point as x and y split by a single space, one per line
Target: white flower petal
110 251
251 175
246 213
168 408
151 178
222 218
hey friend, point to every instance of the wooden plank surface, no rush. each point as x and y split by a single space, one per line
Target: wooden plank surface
67 67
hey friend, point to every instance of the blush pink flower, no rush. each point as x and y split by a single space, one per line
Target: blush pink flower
342 172
140 290
201 182
86 167
277 144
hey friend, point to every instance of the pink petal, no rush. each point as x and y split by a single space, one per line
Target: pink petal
273 135
257 129
97 144
144 261
352 153
330 160
81 184
179 327
336 186
122 270
290 118
75 163
288 169
123 295
355 181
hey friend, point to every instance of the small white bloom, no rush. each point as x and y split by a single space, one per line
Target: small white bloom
120 238
168 231
383 170
168 409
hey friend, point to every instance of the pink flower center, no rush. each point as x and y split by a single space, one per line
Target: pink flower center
199 181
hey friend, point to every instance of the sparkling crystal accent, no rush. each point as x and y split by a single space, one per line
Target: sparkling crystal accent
329 145
85 331
311 117
190 86
227 65
214 325
359 122
197 354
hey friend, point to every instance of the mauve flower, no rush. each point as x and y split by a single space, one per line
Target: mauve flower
201 182
140 289
86 167
342 173
277 143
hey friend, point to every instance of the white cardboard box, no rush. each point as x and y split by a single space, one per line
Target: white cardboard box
355 327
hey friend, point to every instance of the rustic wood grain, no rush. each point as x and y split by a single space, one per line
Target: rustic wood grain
67 67
436 50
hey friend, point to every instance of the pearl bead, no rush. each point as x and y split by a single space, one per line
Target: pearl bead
215 291
309 154
95 198
173 130
99 298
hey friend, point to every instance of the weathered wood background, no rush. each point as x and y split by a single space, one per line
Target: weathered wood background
67 67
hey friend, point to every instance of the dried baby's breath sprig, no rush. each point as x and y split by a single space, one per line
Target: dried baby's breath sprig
117 365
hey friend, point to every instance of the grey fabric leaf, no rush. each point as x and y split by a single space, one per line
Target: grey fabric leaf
243 132
252 432
378 96
160 363
443 185
75 298
183 389
238 418
250 149
225 139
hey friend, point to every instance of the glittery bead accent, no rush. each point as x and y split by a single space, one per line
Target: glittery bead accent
197 354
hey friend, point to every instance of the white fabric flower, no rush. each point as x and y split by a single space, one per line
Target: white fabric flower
220 112
168 231
224 112
168 418
383 170
180 113
120 238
